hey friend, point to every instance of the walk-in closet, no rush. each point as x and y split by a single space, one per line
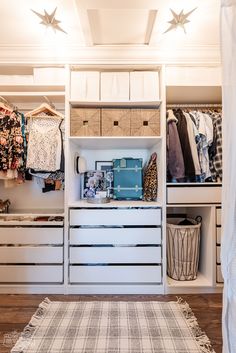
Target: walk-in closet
111 152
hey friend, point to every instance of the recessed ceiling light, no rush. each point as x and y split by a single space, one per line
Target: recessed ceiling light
49 20
179 20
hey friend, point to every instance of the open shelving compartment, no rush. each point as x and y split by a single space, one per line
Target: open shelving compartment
205 278
107 149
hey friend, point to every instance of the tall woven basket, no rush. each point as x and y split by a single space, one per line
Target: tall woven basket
183 245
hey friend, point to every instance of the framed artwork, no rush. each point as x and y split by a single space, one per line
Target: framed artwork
93 180
107 167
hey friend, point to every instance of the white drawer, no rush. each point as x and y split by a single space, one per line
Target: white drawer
104 255
31 274
38 254
218 216
219 277
115 217
21 235
218 249
113 236
191 195
218 235
115 274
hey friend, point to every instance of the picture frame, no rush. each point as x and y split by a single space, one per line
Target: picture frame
107 166
93 180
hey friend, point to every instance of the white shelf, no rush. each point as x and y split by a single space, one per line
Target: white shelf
114 204
31 88
114 142
33 212
195 184
30 223
200 281
151 104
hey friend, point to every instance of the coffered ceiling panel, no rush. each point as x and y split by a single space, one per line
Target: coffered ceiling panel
121 26
127 28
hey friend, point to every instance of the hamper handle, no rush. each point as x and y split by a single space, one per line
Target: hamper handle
198 219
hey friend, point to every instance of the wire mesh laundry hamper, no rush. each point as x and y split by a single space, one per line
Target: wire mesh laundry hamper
183 245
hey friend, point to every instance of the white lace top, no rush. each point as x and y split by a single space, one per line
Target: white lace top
44 146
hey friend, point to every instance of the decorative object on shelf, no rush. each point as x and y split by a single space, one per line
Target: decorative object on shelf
4 206
107 166
80 164
128 179
99 200
93 181
49 20
179 20
150 179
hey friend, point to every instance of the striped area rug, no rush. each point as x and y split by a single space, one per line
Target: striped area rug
113 327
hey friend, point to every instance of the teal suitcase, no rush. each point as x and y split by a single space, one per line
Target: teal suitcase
127 173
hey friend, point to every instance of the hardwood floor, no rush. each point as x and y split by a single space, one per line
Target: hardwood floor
16 311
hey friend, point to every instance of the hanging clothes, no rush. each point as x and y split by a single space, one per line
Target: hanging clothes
216 156
185 145
13 146
193 146
175 161
204 126
200 136
45 145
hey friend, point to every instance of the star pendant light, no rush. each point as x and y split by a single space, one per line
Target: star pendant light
49 20
179 20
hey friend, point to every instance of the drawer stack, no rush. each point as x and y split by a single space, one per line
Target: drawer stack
31 254
115 246
219 278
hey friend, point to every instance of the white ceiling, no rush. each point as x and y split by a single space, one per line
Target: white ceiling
109 28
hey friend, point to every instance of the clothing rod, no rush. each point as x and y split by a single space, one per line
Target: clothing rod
194 105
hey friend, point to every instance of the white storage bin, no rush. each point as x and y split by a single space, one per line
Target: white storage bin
85 86
115 86
144 86
49 76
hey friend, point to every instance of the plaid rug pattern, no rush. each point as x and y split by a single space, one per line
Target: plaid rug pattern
113 327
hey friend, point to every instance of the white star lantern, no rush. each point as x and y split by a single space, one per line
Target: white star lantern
179 20
49 20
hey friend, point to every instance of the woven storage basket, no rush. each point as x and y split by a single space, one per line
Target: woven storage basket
145 122
115 122
85 122
183 243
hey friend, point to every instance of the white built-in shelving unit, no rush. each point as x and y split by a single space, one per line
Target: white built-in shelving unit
94 249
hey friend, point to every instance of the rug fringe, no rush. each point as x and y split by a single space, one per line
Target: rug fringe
200 336
26 336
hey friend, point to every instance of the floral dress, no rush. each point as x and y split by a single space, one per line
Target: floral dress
13 144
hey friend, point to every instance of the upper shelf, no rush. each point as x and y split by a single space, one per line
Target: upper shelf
193 94
114 142
128 104
31 88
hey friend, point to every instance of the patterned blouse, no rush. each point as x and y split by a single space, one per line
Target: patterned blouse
13 144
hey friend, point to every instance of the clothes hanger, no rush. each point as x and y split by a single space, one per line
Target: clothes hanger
5 106
47 109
